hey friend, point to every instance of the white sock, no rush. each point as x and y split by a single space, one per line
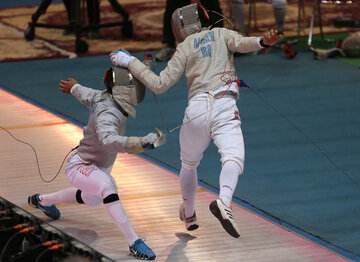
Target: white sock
188 185
118 215
65 196
228 180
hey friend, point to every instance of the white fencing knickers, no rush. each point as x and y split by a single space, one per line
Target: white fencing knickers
221 123
89 178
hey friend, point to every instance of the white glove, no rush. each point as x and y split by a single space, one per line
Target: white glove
120 58
149 139
135 144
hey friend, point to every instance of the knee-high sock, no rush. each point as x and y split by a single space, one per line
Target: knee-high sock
188 185
228 180
118 215
65 196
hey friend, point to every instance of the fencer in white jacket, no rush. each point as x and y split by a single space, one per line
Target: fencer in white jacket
89 168
205 56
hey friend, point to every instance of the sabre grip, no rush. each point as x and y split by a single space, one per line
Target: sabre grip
149 62
148 146
147 142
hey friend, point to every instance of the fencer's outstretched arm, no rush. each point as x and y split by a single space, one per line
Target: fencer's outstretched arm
83 94
158 84
241 44
204 68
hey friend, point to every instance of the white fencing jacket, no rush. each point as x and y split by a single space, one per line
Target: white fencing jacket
205 57
104 134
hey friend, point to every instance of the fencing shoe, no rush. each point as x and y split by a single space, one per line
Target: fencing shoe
190 222
50 211
165 53
224 214
141 251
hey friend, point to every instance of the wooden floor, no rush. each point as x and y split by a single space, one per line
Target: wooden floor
149 193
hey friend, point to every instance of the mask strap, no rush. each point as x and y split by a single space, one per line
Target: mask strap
106 74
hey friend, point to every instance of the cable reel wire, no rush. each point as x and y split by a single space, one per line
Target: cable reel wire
7 244
224 18
38 258
36 157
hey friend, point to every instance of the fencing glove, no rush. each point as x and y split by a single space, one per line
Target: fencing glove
120 58
136 144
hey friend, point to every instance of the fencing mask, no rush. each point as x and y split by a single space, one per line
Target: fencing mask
186 21
351 45
126 90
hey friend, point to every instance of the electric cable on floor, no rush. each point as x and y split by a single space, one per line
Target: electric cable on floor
36 157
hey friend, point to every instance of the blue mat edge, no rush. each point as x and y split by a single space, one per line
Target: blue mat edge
244 204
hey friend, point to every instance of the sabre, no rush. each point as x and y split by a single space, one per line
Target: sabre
150 63
161 135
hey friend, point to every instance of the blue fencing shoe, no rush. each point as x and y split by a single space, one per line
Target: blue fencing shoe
50 211
141 251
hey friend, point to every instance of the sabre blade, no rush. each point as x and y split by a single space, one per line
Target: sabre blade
161 115
184 123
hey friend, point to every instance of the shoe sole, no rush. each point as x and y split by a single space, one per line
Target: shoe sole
193 227
30 203
227 225
141 258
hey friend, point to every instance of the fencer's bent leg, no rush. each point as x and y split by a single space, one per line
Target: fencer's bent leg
226 133
88 199
65 196
228 180
279 8
93 181
89 178
69 196
228 138
188 185
116 211
194 139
